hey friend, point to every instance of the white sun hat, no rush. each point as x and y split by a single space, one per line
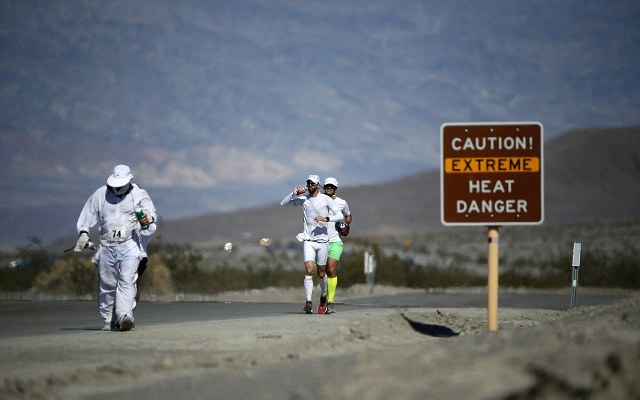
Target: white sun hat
120 177
331 181
314 178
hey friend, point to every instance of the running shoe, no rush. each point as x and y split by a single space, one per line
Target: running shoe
330 309
308 308
126 324
322 308
106 327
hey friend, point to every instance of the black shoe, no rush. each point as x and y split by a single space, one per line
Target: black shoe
308 307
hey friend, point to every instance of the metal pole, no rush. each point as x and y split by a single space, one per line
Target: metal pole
492 279
369 270
366 268
372 266
574 282
575 266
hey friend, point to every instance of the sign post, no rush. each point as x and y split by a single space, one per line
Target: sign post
491 174
575 266
492 279
370 269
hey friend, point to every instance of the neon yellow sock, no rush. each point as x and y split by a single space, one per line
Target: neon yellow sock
332 284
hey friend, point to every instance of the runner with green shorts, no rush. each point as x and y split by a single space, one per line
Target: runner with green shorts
335 245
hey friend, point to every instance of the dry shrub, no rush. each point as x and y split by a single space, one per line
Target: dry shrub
78 277
157 283
69 276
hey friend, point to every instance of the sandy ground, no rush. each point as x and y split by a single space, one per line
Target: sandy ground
417 353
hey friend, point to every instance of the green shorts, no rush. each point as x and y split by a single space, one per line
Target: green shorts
335 250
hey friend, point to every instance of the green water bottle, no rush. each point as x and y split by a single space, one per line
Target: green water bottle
139 215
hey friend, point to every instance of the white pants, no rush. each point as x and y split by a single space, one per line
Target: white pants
117 272
316 252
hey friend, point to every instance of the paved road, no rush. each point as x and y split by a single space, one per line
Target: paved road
28 318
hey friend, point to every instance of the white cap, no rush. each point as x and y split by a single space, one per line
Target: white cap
120 177
331 181
314 179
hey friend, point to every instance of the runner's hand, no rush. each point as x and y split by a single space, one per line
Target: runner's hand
83 239
299 190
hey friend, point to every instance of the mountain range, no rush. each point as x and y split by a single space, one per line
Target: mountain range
591 176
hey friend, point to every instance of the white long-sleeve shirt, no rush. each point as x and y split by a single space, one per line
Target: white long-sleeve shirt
334 236
116 215
312 206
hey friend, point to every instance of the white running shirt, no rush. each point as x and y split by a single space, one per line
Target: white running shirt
312 207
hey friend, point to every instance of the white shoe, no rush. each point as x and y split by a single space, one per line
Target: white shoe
106 327
126 324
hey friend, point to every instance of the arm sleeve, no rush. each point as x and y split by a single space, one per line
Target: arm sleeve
345 210
292 200
89 214
147 204
335 214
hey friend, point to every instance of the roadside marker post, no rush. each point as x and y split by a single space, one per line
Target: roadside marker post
575 266
370 269
491 174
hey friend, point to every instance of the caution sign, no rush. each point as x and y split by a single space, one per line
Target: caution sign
491 173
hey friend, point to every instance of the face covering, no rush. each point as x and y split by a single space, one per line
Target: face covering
119 191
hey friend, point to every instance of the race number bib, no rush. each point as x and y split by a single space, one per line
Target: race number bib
117 233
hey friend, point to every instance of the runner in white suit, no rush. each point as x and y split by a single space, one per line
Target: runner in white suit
122 243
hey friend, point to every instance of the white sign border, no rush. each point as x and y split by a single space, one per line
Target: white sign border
542 213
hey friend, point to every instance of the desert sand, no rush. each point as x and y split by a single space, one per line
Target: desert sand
416 353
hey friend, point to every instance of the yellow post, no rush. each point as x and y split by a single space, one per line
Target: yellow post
492 279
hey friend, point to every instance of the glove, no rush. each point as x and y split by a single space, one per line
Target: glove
342 228
83 239
345 230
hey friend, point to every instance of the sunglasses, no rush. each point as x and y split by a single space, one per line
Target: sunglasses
329 187
311 183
